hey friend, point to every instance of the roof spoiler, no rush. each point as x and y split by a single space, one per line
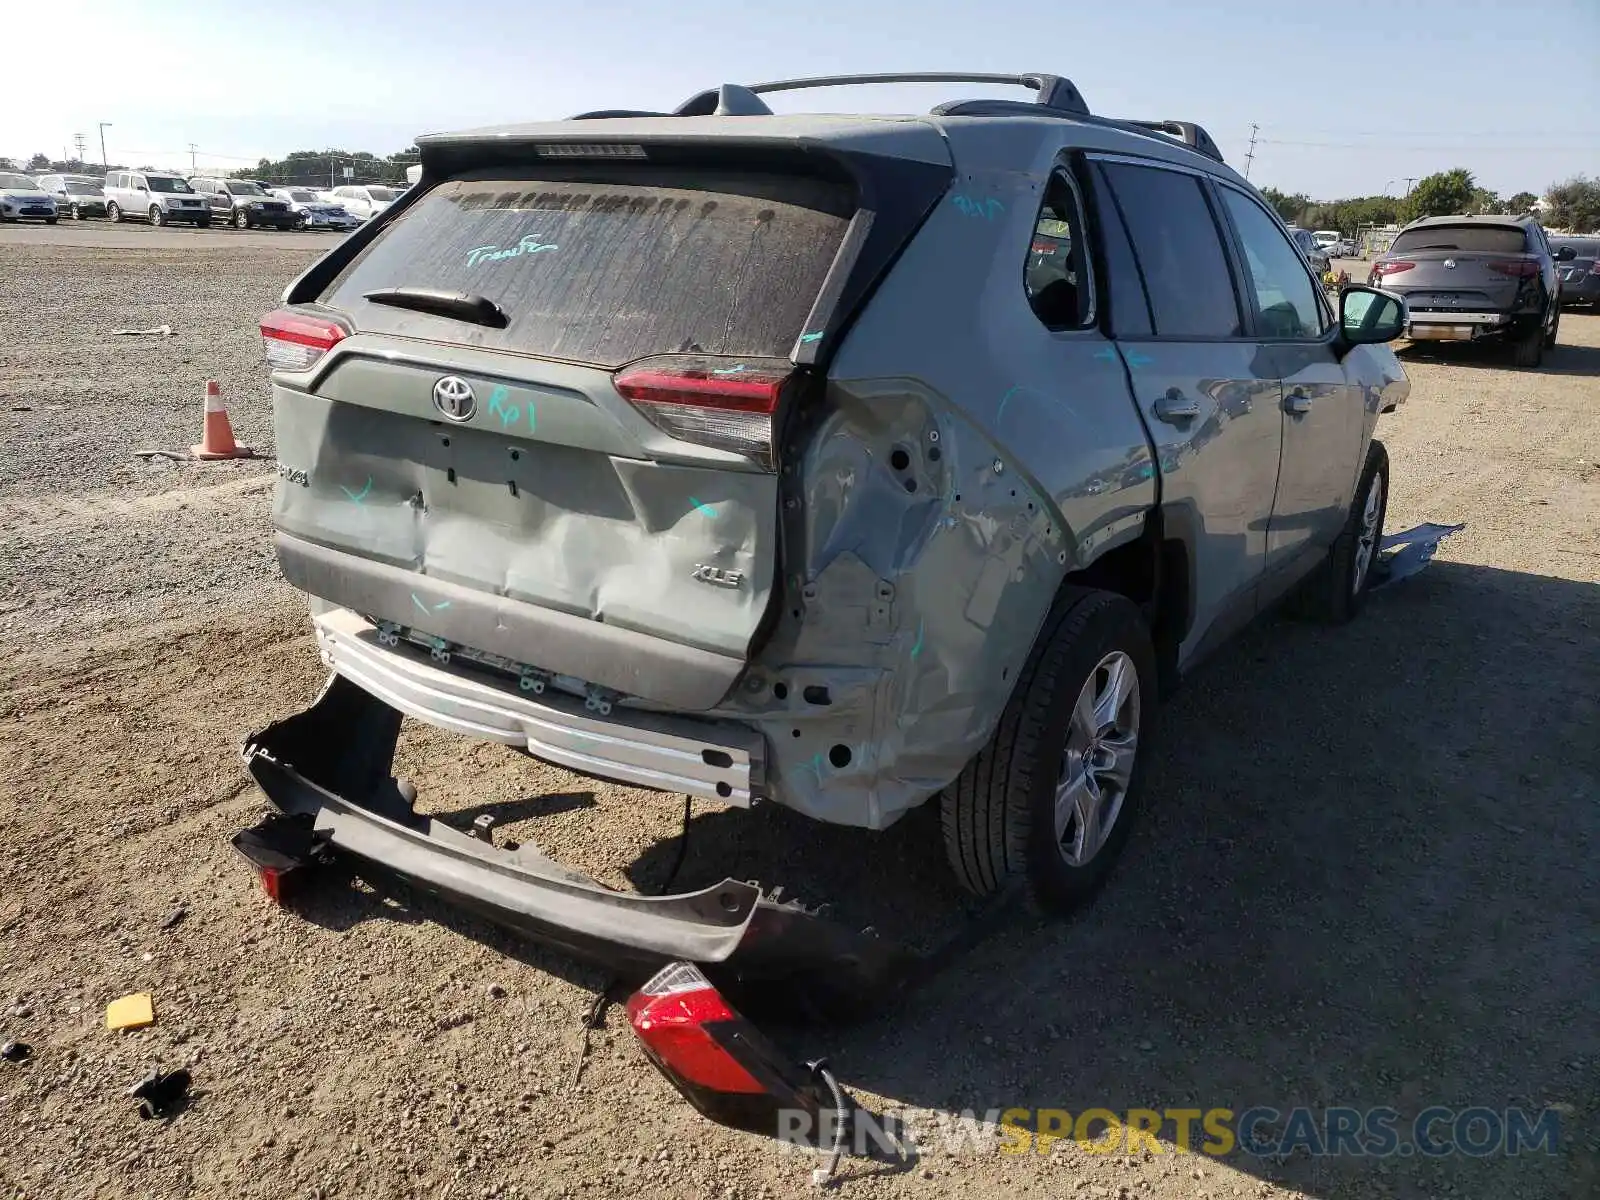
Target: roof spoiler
1057 96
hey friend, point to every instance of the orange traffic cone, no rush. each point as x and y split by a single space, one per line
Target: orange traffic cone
216 441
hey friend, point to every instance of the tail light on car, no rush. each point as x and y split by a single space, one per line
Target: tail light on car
1520 268
1385 269
717 1060
726 404
295 341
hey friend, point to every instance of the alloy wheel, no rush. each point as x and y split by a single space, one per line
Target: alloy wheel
1097 762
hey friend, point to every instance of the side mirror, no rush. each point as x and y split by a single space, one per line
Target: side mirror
1566 254
1368 315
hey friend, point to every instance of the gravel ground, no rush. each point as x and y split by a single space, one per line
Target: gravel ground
1367 877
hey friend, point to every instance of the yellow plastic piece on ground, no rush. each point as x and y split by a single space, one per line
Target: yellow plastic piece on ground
130 1012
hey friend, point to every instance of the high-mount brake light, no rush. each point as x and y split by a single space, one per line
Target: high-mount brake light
724 403
295 341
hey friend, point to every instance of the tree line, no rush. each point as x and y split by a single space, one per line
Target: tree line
1573 204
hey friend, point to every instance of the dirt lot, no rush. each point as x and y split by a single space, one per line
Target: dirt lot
1367 879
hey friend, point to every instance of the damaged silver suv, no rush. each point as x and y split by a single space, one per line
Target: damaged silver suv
843 462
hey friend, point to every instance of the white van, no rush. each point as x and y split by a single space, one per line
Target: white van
156 197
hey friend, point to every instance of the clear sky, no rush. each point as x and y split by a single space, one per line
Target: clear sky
1350 97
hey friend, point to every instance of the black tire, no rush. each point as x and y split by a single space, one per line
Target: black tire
1527 350
51 220
1333 593
113 212
999 814
77 213
1555 330
202 223
241 219
158 216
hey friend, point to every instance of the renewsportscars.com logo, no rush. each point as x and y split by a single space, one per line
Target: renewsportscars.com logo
1262 1132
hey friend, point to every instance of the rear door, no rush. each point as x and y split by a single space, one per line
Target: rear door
1208 390
1467 267
588 426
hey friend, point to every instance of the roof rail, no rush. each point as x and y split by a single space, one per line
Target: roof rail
1054 90
1057 96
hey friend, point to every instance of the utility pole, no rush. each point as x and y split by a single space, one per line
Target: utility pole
1410 179
1251 153
193 170
104 161
83 146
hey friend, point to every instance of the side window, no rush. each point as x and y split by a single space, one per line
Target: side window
139 183
1285 297
1056 276
1124 290
1179 251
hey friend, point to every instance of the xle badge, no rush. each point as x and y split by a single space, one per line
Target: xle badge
718 576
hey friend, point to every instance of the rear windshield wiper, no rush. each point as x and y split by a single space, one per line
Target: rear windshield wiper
480 310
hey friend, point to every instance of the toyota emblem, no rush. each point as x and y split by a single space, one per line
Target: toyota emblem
453 396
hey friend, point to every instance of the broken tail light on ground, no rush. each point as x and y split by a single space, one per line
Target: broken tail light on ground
727 404
720 1062
295 341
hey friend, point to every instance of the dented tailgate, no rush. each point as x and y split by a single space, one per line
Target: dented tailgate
499 485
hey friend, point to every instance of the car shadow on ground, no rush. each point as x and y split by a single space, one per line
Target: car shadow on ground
1561 359
1364 879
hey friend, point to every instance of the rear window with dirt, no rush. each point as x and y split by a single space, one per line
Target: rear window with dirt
1467 239
608 270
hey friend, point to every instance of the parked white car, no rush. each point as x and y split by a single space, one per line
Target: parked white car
156 197
315 211
364 200
21 197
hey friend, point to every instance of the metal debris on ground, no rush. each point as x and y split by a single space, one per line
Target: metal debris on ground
158 331
162 1093
1402 555
15 1052
174 917
131 1012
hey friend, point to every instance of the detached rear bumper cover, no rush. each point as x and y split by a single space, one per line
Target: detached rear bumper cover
331 764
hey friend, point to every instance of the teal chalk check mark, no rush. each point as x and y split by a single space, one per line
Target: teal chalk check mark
508 413
421 607
357 497
1135 359
1108 354
739 370
705 508
917 648
1009 393
810 337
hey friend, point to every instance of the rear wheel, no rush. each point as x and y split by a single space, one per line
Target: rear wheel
1054 793
1336 591
1528 349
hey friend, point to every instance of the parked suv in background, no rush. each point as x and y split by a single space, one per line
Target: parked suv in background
243 203
1314 252
1579 276
154 197
998 421
78 196
1476 278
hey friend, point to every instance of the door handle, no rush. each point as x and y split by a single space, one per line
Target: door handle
1297 403
1175 407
